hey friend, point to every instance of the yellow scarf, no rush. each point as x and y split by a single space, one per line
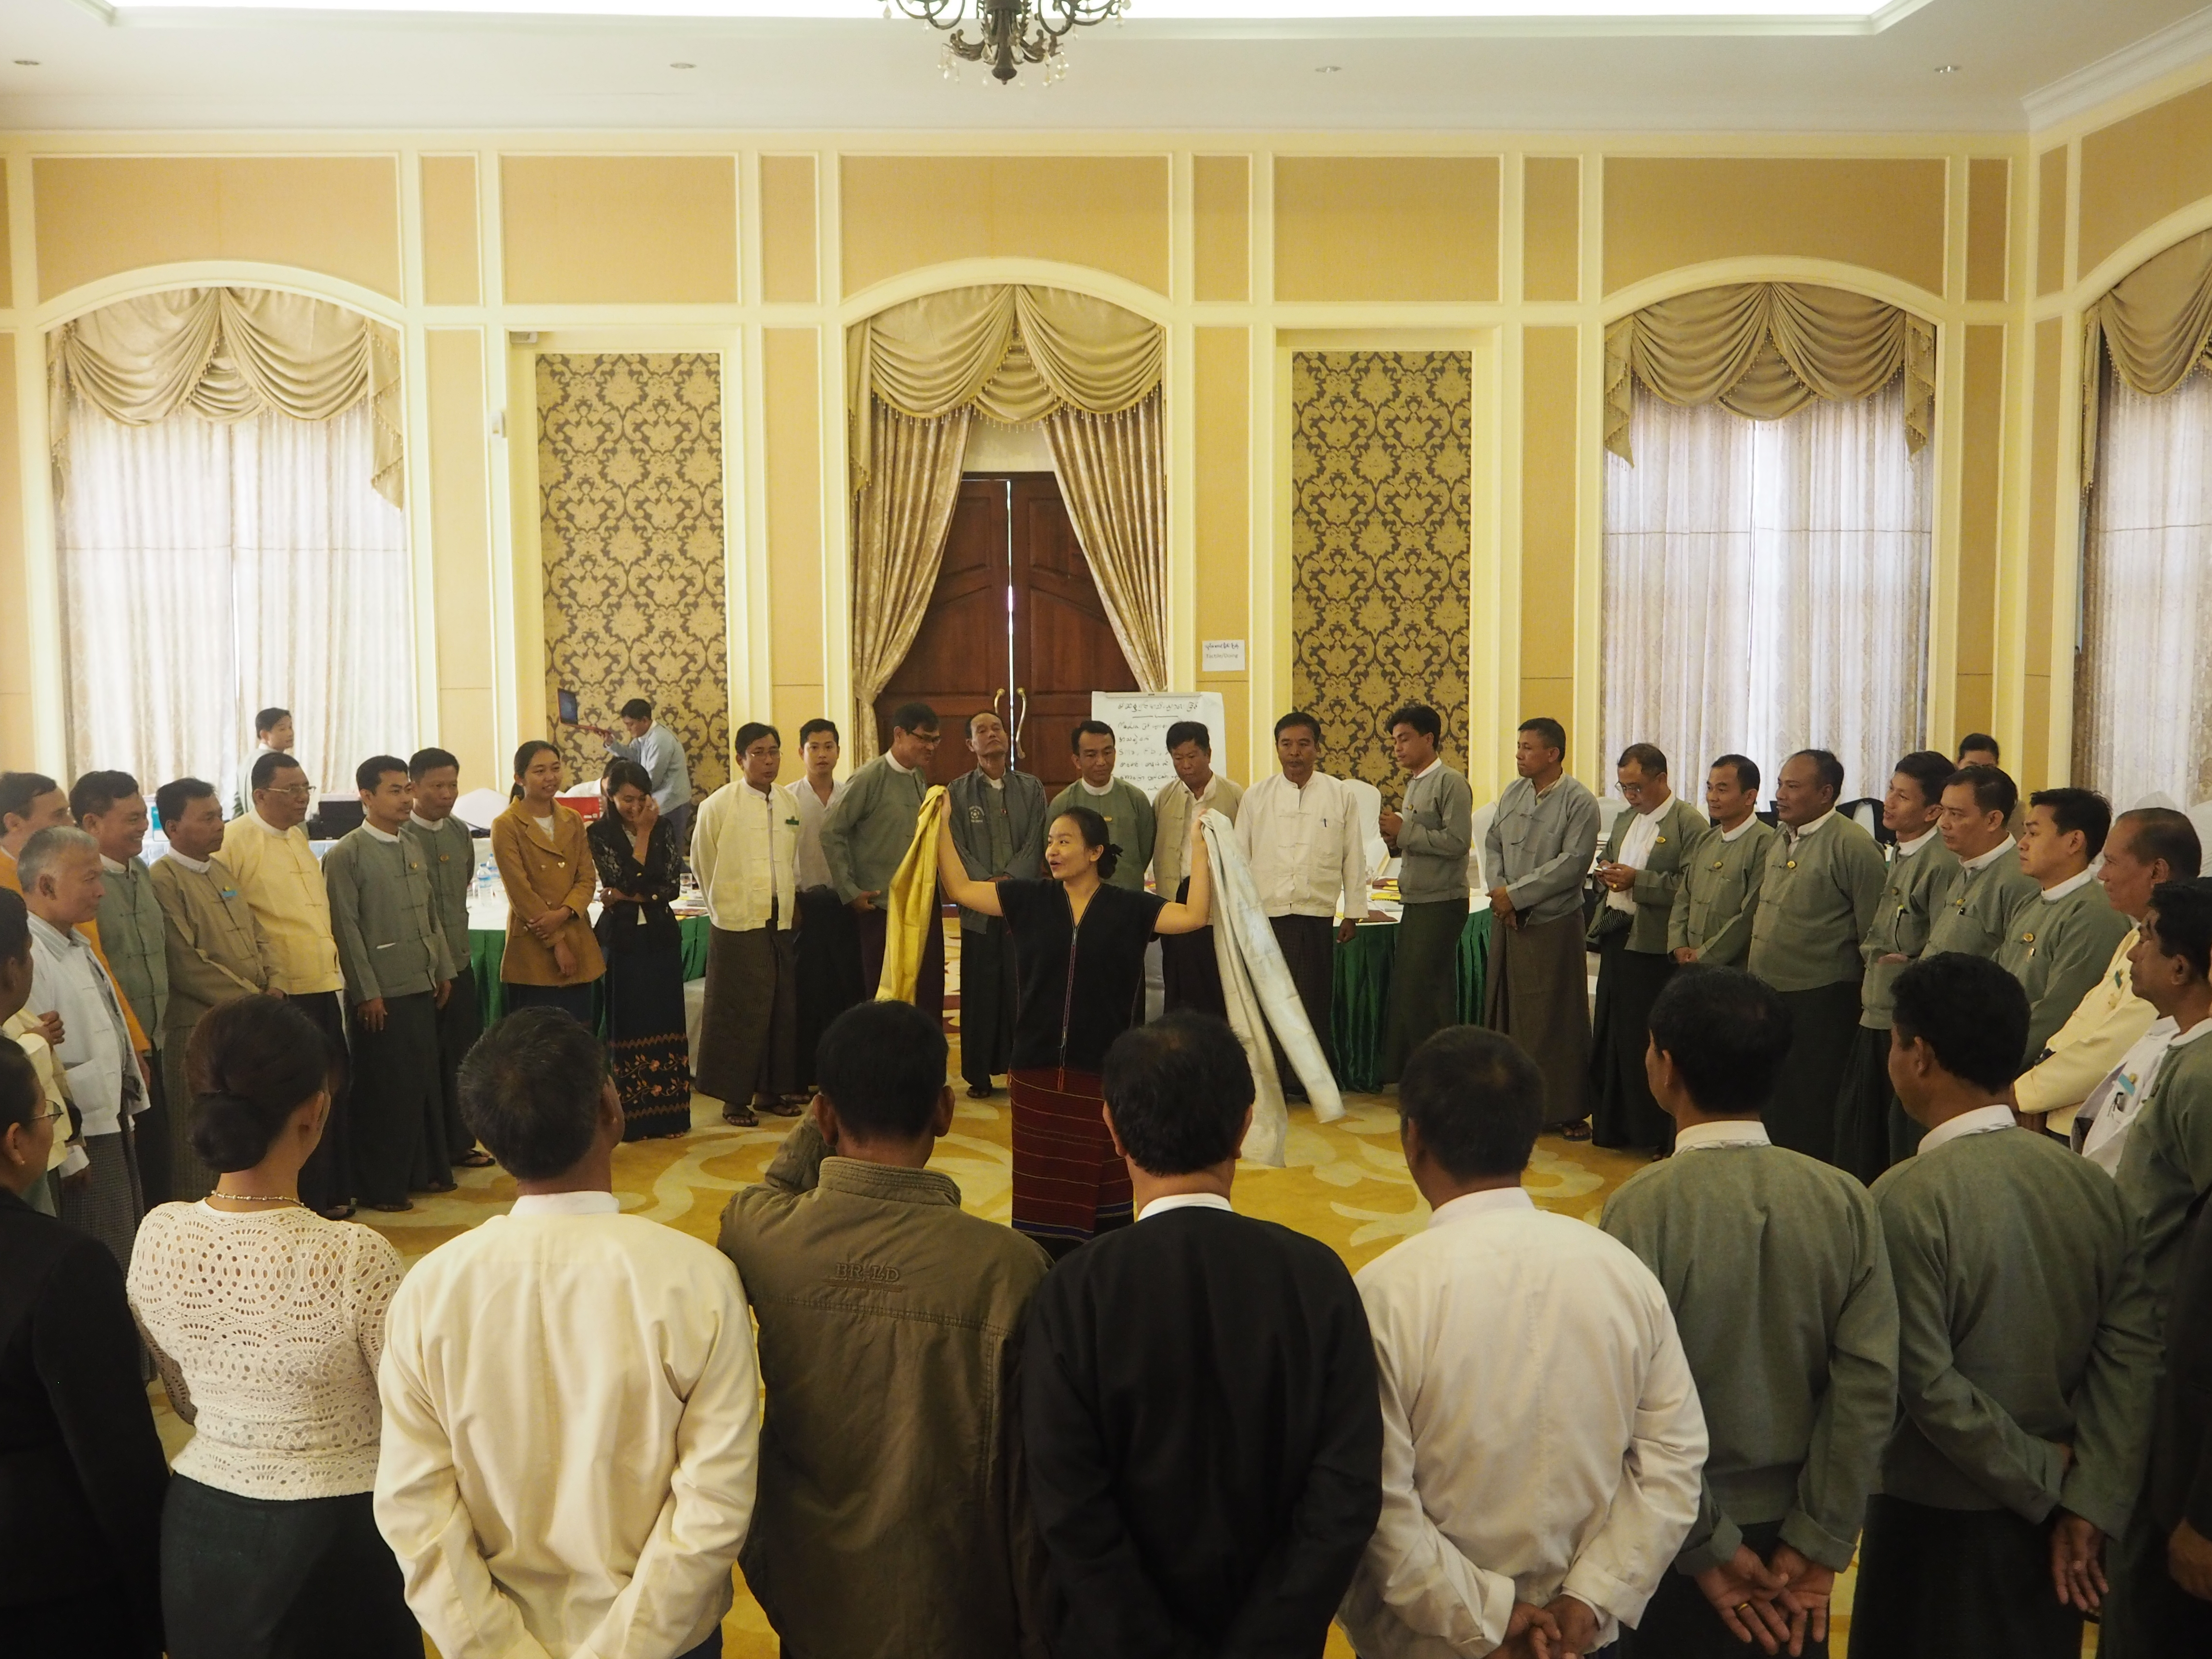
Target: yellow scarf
911 906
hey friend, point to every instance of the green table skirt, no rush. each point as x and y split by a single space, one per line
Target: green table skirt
488 947
1360 999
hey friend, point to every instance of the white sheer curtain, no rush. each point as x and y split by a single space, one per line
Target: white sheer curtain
210 570
2143 687
1766 587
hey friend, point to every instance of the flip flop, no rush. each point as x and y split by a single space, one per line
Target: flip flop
476 1158
740 1117
1578 1131
337 1213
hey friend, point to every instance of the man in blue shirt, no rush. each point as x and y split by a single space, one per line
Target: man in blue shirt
661 752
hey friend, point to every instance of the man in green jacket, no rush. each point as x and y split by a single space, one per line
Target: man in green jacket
1922 872
110 807
1774 1265
1128 815
2027 1355
2058 946
865 832
1719 896
1653 842
1816 900
1978 803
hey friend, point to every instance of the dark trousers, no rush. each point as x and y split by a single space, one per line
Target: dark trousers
1679 1623
1424 979
1958 1584
1622 1111
1308 946
1865 1139
94 1624
2147 1615
828 970
151 1128
398 1103
460 1023
929 983
580 1002
1823 1023
1190 974
326 1179
988 994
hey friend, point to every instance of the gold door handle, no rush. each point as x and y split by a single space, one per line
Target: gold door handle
1021 718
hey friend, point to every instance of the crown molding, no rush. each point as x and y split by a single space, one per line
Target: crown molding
2180 43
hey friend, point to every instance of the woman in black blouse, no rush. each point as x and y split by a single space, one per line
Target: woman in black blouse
635 848
1080 969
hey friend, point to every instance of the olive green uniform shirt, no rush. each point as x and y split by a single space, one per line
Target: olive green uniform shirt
1718 900
2058 949
1919 885
1816 901
1683 832
1978 916
867 829
384 918
1128 817
2166 1164
130 937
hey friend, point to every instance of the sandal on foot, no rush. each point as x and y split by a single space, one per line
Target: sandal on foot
740 1117
476 1158
1578 1131
400 1208
337 1213
981 1091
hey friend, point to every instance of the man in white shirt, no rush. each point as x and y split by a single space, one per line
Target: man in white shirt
61 887
1300 833
1541 1481
827 955
571 1399
1189 976
661 752
745 856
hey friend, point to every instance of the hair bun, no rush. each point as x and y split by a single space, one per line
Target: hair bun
1110 858
228 1130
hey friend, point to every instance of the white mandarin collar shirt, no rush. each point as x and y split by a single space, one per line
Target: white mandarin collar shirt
1721 1131
1740 830
197 866
744 851
1565 1459
1305 847
1983 1120
813 868
1905 848
1186 1201
1096 790
892 760
1803 830
2073 884
94 1054
1636 849
385 835
565 1204
1981 861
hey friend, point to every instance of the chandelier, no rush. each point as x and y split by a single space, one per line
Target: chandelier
1009 32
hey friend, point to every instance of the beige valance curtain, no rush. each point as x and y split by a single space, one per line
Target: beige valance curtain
227 353
2154 325
1764 349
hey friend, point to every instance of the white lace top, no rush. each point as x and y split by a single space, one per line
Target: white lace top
266 1329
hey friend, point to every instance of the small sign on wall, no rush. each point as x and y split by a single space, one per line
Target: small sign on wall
1221 657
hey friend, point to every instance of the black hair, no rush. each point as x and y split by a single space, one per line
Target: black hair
818 724
637 709
1477 1098
1423 718
1092 828
1993 790
1183 731
267 764
96 793
1746 771
620 771
171 800
1825 767
529 753
2160 832
751 732
882 1065
369 775
15 926
968 726
529 1091
2184 928
1088 729
19 789
252 1062
1970 1012
266 720
1177 1087
1974 740
22 1102
914 717
1726 1034
1929 770
1649 757
1553 734
1299 717
2084 810
423 762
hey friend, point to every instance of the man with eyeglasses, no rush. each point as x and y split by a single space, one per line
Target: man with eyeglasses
268 854
65 1157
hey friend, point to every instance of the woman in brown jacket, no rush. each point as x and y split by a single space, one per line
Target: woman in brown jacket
545 860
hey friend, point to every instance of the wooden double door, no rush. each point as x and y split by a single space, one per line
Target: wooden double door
1015 624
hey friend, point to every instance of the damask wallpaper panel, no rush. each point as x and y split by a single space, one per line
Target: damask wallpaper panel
1382 462
630 502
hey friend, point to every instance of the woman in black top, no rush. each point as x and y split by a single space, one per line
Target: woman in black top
1080 969
635 852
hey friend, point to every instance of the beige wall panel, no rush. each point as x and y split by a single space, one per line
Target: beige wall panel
1222 422
16 753
791 421
101 215
2042 497
1980 480
1221 226
468 730
899 213
1974 704
1664 212
461 548
788 229
2135 172
7 251
1552 227
450 265
1553 695
614 229
2050 221
1548 492
1988 203
1386 227
2035 771
794 706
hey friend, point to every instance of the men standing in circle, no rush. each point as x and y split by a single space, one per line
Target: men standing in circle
661 752
1300 832
1079 953
2060 943
1652 843
109 807
1712 919
828 950
1535 856
449 853
998 828
398 975
745 856
1128 814
273 734
1189 976
1922 872
267 851
1816 900
865 833
1430 834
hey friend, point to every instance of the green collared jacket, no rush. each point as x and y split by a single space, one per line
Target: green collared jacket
1918 887
1718 898
1682 833
1816 901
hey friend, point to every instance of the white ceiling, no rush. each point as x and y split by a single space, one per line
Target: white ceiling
273 69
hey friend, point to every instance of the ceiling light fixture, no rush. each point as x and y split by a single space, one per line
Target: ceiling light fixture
1330 69
1009 32
1947 69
